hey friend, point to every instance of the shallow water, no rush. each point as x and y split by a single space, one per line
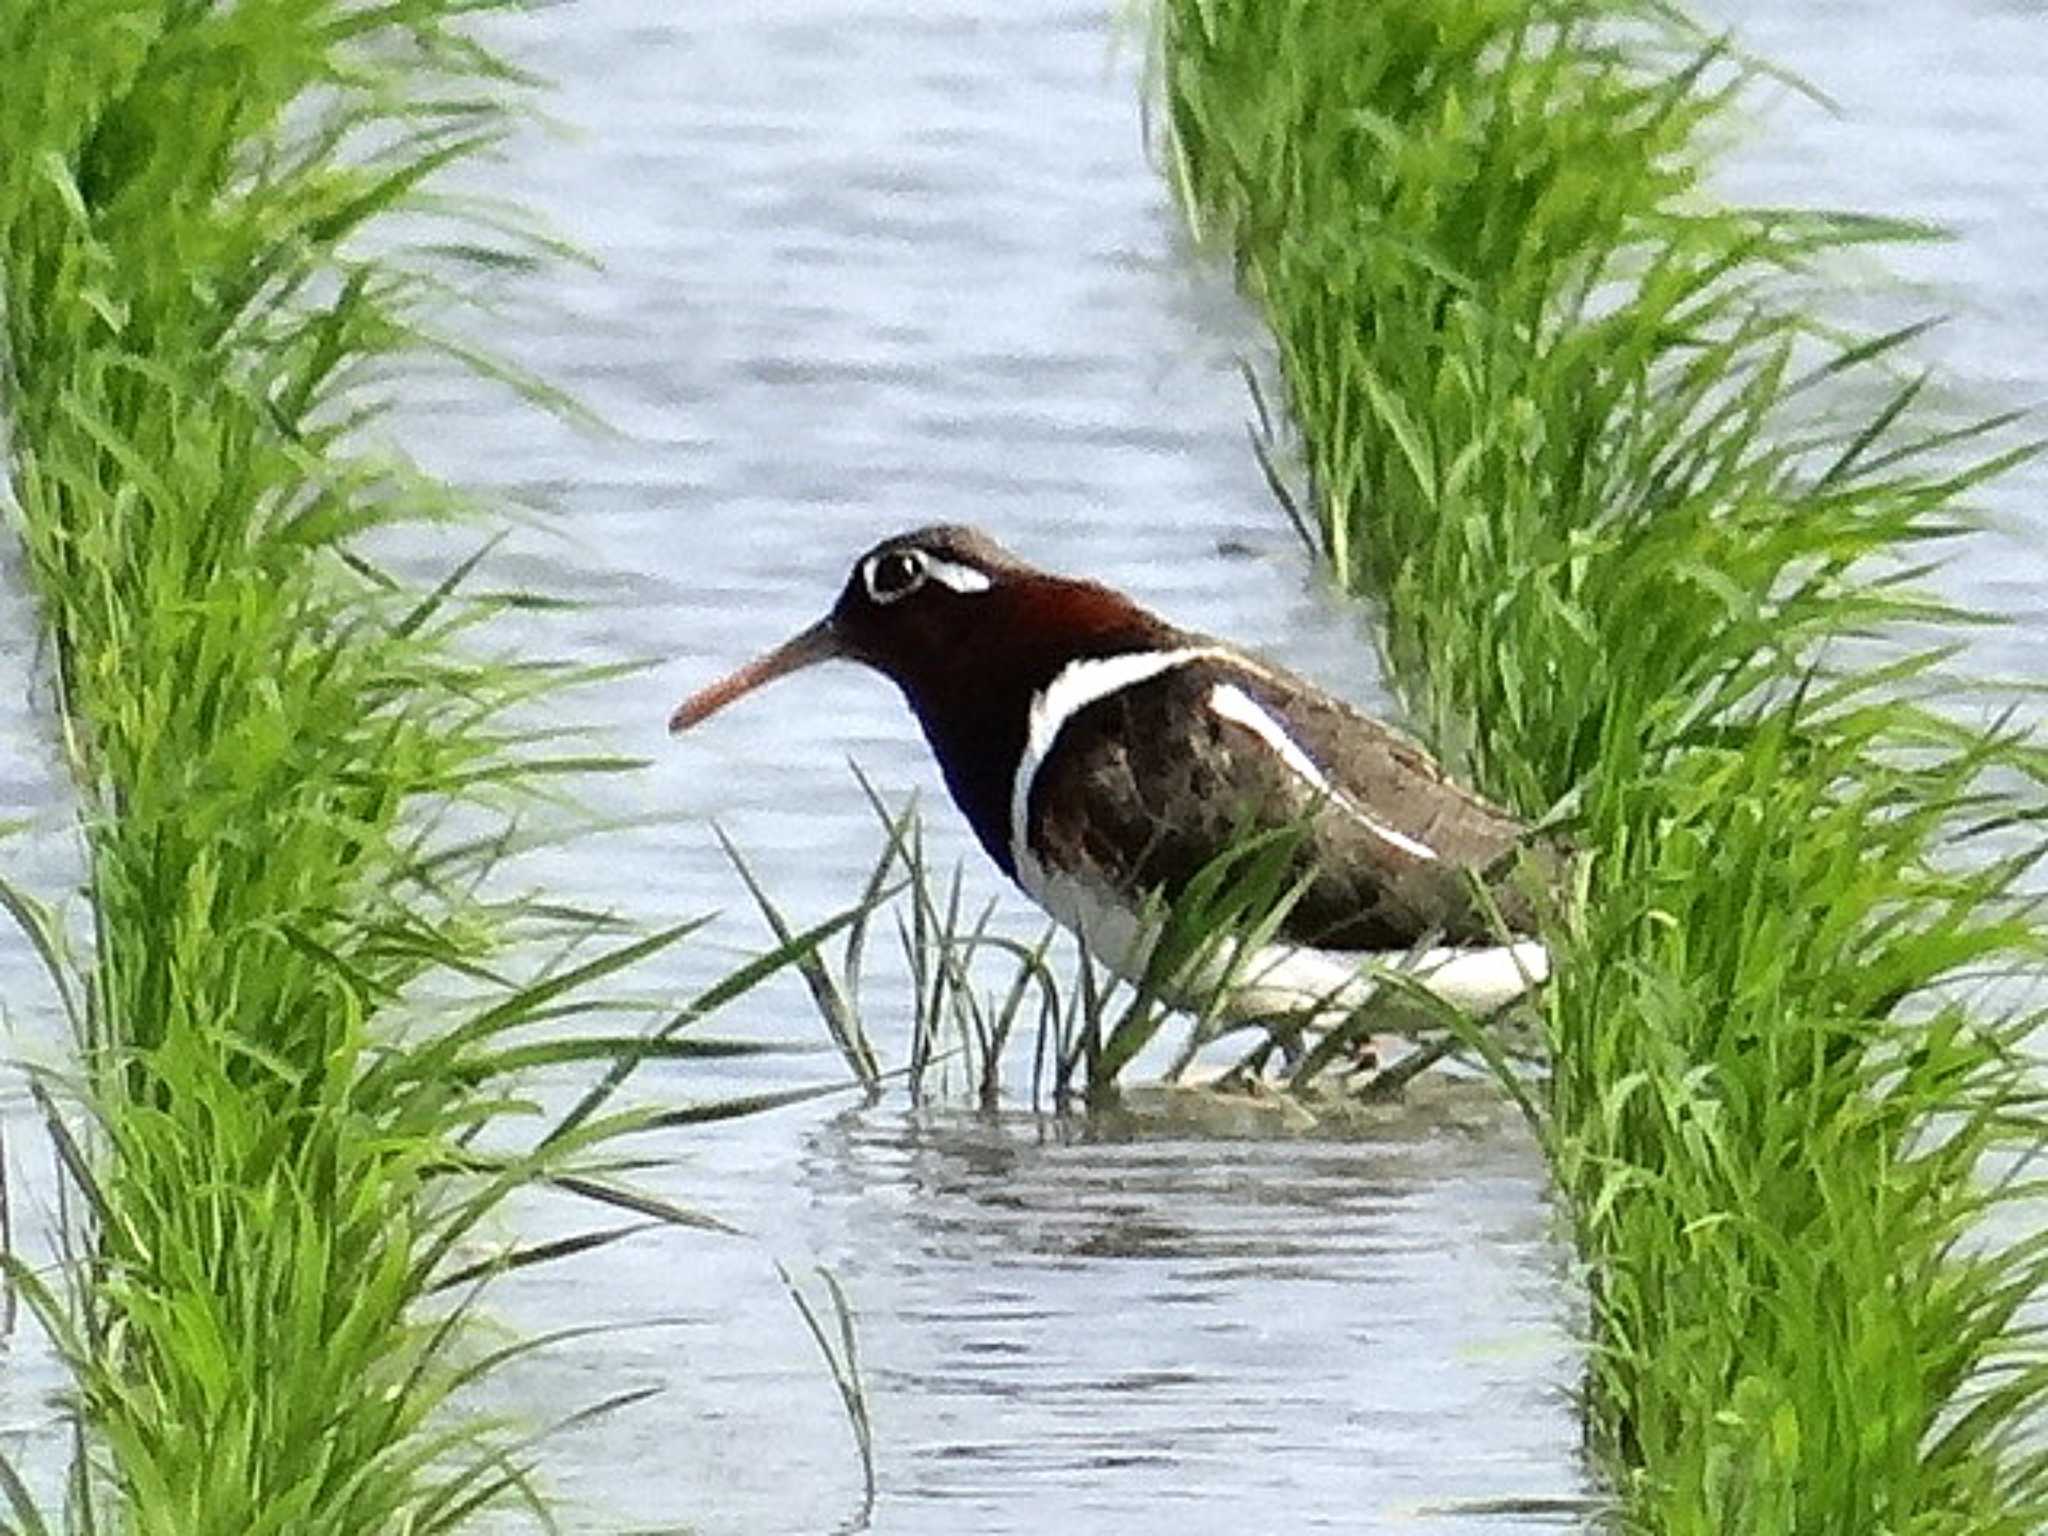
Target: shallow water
873 263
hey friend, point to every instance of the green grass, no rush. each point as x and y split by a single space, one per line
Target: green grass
1565 419
309 1014
1650 540
974 992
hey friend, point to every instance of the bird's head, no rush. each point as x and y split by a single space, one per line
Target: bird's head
943 609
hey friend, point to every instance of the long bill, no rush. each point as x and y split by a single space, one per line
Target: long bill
818 643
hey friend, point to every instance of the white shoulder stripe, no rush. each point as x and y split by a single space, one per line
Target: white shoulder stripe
1232 703
1073 688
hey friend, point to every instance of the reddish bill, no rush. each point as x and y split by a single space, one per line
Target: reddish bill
816 644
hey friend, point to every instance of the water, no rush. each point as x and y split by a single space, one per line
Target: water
1110 1329
867 267
874 263
1937 104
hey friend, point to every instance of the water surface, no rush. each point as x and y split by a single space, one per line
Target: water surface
874 263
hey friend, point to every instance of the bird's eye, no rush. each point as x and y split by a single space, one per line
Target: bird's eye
897 573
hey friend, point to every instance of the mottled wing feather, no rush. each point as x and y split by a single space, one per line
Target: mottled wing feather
1143 788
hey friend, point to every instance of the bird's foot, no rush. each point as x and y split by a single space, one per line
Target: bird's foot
1377 1084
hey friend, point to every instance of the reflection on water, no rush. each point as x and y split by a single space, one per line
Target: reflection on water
875 263
1134 1326
1165 1331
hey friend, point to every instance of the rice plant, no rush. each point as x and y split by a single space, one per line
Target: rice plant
313 1000
975 994
1651 539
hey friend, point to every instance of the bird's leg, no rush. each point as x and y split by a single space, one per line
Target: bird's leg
1388 1082
1282 1034
1383 1083
1250 1069
1347 1038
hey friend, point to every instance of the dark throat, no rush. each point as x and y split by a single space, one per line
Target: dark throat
974 698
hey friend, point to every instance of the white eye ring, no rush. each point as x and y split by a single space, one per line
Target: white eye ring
894 574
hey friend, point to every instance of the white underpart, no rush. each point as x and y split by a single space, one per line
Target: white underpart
1276 979
964 579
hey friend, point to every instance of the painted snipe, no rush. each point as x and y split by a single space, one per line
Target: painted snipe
1104 756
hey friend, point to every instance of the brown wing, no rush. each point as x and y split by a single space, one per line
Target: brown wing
1169 771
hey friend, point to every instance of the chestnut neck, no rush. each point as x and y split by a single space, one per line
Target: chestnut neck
972 688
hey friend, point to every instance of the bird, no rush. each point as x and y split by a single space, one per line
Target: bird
1104 757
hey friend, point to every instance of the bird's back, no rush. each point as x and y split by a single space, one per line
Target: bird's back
1173 769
